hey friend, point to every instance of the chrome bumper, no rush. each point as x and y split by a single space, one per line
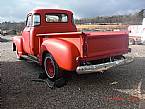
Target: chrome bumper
102 67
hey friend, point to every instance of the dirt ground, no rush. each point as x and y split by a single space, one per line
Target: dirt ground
119 88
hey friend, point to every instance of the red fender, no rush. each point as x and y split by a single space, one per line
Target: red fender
64 53
17 40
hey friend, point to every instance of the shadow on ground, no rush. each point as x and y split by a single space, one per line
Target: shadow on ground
4 40
112 89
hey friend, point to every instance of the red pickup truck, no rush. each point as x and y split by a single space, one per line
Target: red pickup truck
51 37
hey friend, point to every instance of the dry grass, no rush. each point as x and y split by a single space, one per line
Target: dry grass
103 27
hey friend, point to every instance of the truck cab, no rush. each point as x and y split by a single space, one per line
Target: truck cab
44 21
51 37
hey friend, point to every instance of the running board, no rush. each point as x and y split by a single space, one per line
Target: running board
102 67
30 58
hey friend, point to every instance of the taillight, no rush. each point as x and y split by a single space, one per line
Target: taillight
85 45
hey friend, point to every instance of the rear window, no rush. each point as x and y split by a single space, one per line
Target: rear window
57 18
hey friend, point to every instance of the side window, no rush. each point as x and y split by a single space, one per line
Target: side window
29 21
64 18
36 20
58 18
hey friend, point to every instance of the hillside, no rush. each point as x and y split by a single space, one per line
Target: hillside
98 23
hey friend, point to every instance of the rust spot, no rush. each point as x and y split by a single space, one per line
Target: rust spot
133 99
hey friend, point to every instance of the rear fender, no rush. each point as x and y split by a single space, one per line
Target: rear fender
17 43
64 53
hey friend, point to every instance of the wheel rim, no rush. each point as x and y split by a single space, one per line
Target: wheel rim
49 67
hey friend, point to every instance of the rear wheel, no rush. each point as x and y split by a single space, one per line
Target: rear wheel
51 68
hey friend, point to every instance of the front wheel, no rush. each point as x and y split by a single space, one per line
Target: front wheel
51 68
131 42
18 55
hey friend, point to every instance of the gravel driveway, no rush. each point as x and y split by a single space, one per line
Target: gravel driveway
118 88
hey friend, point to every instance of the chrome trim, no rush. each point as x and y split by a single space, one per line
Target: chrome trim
102 67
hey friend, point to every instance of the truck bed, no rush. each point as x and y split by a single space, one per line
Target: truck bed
106 44
95 45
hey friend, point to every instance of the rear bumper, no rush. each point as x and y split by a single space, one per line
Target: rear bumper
102 67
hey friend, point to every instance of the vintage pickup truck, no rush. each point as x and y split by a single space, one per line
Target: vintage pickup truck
51 37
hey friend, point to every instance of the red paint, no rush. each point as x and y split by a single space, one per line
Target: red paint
117 98
130 98
67 46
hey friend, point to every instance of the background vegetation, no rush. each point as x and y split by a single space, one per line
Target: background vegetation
129 19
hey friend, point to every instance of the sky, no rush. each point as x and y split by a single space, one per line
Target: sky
16 10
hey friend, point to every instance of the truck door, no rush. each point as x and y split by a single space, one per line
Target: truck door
26 34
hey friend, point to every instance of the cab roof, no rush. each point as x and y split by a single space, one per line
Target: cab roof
39 11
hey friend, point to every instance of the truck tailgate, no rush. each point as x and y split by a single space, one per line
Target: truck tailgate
106 44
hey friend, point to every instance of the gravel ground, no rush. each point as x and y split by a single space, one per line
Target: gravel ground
118 88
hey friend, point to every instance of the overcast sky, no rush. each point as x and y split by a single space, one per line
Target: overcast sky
16 10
